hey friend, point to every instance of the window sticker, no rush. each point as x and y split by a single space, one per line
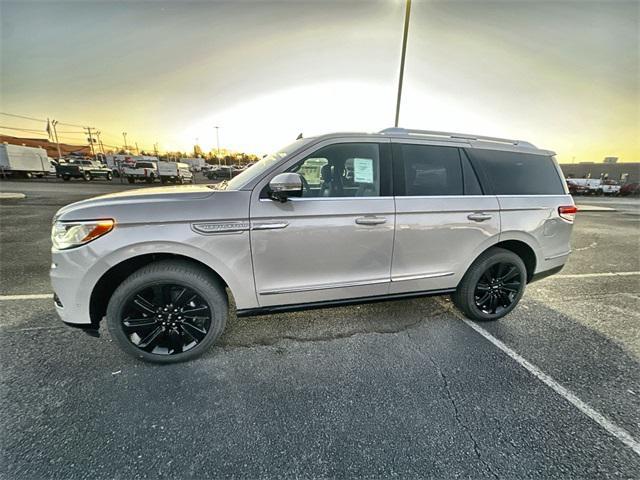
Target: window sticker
363 170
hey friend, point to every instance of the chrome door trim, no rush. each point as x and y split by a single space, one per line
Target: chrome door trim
324 286
269 225
403 278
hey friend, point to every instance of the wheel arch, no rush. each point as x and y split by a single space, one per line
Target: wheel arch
112 278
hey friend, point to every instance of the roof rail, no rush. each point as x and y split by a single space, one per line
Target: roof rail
461 136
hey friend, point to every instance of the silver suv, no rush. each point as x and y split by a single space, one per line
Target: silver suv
331 220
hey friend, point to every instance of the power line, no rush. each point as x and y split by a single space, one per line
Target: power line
36 130
23 116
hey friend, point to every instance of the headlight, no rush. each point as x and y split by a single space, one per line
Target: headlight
73 234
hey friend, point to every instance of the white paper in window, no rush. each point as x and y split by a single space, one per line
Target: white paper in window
363 170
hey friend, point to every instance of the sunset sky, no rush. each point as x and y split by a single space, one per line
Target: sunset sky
563 75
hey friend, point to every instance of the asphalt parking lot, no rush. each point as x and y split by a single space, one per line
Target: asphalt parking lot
401 389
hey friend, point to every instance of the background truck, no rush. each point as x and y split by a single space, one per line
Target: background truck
21 161
174 172
142 171
592 186
83 168
117 163
196 164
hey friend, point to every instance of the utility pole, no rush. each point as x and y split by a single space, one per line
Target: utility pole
155 148
88 131
404 51
100 142
218 142
124 135
137 149
55 134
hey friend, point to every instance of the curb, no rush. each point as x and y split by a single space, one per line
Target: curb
594 208
12 196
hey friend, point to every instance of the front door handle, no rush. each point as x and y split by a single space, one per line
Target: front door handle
370 220
479 217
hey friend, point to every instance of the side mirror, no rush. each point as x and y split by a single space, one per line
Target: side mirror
285 185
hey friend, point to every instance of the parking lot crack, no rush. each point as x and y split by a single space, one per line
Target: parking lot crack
456 412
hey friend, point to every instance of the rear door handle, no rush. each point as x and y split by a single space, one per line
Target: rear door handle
370 220
479 217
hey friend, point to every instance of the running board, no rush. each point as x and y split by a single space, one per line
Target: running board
246 312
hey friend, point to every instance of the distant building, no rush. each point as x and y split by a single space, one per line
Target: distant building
612 170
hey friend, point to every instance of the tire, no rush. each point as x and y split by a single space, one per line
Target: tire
131 180
86 176
180 180
109 177
169 277
66 178
471 291
150 179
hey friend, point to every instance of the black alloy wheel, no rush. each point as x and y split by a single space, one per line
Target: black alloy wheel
492 286
498 288
165 319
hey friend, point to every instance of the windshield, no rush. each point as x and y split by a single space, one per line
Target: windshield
262 166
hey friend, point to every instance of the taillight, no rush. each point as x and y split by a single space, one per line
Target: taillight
568 212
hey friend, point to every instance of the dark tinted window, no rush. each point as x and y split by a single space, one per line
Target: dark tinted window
431 170
471 184
513 173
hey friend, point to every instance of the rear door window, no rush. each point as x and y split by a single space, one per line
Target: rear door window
429 170
514 173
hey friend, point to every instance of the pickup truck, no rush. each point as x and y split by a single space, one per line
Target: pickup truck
143 171
82 168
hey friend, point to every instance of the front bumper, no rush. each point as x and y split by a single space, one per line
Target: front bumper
71 285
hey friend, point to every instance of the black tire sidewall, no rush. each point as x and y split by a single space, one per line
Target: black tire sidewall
179 274
465 295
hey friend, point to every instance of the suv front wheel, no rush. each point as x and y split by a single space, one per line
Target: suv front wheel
167 312
493 285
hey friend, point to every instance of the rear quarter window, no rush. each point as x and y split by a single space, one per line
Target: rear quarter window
513 173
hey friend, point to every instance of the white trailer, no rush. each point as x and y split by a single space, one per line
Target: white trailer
18 160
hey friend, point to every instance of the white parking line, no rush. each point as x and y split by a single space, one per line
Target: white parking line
613 429
596 275
37 296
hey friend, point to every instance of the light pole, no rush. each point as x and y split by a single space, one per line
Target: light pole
404 51
124 135
218 142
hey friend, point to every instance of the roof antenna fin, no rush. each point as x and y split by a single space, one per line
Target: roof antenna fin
299 136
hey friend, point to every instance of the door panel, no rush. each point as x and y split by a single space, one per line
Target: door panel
319 249
336 241
436 240
442 223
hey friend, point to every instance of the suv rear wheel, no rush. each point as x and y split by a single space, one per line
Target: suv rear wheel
167 312
493 285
